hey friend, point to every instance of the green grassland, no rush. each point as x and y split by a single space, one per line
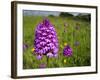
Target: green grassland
81 52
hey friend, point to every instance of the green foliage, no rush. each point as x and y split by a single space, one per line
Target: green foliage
51 15
64 14
81 53
84 17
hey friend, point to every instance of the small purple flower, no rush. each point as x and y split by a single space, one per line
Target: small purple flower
25 46
55 55
76 43
42 65
45 42
39 57
67 51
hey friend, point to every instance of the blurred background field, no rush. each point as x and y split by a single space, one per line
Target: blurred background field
72 28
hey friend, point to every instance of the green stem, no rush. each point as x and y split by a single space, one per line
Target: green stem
48 61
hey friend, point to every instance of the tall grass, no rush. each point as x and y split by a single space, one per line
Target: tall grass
81 52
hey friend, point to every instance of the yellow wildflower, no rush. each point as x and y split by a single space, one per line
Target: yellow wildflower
65 44
65 61
33 49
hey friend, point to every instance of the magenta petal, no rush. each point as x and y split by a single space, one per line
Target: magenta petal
67 51
55 55
39 57
49 55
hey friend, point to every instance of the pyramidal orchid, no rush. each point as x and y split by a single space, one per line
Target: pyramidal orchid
67 51
45 42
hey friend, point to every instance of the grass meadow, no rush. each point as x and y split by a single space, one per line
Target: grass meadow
68 32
